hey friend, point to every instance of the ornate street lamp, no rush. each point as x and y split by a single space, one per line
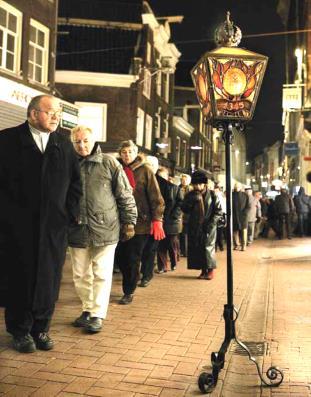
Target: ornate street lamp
227 82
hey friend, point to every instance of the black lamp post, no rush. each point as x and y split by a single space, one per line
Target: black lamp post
227 82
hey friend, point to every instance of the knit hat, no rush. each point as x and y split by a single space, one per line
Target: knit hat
198 177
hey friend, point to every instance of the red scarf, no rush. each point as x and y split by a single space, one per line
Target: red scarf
130 175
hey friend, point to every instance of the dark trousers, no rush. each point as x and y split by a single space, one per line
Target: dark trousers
128 256
168 245
284 220
302 227
148 258
183 242
21 321
270 224
220 238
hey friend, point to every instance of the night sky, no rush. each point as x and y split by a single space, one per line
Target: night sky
195 35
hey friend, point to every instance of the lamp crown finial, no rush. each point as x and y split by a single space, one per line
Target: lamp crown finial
228 34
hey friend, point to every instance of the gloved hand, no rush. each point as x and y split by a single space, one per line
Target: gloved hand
127 232
157 230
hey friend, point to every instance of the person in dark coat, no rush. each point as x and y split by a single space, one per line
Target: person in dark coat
302 204
204 211
185 188
271 221
107 213
171 221
40 188
240 210
284 207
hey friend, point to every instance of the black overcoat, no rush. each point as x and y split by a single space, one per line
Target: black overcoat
39 196
240 209
202 236
173 197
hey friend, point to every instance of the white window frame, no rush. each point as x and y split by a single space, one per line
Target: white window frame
166 125
148 53
167 88
159 121
178 147
184 158
147 83
45 50
140 127
17 42
148 132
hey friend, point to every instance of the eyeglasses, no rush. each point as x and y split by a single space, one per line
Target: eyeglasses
57 113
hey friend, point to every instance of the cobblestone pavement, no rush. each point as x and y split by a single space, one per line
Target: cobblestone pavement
161 343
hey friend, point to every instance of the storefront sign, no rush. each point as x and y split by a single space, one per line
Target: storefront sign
16 93
20 95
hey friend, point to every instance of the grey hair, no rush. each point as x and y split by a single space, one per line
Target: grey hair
79 128
126 144
35 102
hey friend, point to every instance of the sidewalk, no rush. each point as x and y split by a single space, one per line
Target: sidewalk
158 345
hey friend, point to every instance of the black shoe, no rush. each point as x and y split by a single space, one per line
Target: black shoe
126 299
83 320
94 325
173 268
24 344
43 341
143 283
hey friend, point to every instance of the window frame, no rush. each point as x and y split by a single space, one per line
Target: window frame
45 56
147 83
140 126
178 150
17 42
148 131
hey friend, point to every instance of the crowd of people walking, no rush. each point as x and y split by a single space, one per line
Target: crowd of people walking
121 213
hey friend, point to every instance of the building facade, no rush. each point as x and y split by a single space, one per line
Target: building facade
27 58
128 92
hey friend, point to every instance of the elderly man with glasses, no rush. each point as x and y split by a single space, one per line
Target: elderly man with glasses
40 189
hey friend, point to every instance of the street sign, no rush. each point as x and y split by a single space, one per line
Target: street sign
307 158
70 116
291 149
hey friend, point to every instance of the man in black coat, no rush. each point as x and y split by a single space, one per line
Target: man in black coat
204 210
284 207
40 189
240 209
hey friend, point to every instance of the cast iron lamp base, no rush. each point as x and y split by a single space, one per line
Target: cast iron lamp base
208 381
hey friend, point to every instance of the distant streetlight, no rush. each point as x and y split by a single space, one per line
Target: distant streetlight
227 81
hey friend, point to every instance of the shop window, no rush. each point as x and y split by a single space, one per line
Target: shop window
38 52
10 37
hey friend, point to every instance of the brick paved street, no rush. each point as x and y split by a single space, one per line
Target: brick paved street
158 345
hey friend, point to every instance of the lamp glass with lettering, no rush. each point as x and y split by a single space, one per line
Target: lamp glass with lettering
227 81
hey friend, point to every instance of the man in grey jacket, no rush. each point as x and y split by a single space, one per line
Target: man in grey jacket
107 213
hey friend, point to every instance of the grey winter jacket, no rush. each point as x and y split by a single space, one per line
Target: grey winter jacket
107 202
